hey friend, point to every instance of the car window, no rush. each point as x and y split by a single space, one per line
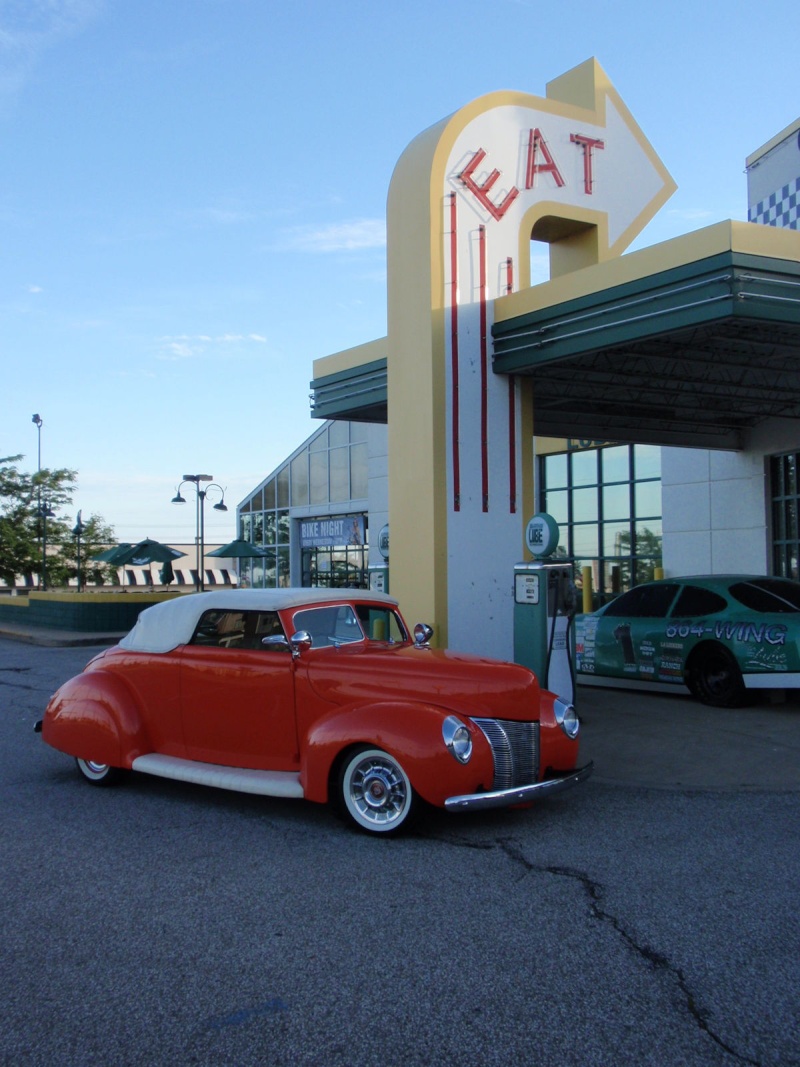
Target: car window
768 595
381 624
694 601
332 625
264 624
644 601
236 629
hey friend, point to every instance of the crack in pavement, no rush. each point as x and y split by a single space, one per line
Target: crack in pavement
14 684
659 962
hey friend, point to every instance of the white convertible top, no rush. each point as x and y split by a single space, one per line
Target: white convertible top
164 626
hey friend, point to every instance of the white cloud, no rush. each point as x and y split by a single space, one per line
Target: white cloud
180 350
28 28
189 346
354 235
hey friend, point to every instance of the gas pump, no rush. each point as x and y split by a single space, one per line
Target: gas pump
545 602
379 572
379 578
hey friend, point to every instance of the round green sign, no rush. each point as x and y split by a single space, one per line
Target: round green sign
541 534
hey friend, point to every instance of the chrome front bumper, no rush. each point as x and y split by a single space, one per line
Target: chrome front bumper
523 794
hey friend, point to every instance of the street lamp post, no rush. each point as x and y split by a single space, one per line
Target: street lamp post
78 531
45 512
197 480
42 580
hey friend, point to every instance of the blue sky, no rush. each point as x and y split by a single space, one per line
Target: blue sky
192 200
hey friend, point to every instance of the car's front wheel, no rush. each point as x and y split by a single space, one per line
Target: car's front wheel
375 792
714 677
99 773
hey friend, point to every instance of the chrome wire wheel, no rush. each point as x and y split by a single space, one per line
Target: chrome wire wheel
375 791
98 773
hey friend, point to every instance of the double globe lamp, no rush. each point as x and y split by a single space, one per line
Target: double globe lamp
197 481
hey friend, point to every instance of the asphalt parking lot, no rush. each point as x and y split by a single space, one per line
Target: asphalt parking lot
648 916
673 742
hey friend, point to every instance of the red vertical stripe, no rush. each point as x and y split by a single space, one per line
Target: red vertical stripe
512 414
484 375
512 445
454 405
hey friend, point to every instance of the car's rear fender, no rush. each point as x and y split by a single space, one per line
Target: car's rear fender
412 733
94 716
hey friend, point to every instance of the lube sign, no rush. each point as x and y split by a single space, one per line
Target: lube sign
541 534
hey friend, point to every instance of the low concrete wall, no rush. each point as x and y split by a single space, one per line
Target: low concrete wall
81 612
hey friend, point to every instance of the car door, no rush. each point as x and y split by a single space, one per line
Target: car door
237 694
630 633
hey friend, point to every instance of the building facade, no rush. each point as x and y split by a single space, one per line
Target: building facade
314 513
649 402
737 511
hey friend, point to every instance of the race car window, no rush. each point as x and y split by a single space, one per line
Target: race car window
334 625
695 601
643 601
767 595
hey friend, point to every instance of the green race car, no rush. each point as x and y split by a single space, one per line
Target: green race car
718 635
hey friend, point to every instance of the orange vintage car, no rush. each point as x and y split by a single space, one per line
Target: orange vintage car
314 693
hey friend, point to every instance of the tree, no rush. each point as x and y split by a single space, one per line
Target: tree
95 535
29 506
643 562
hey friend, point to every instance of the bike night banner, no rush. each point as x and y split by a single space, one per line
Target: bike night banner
333 532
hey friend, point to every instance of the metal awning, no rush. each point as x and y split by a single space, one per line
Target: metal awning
359 394
691 356
690 343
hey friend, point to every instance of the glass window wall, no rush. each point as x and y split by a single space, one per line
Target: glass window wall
332 468
785 494
607 503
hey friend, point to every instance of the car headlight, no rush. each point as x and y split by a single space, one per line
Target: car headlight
566 717
457 738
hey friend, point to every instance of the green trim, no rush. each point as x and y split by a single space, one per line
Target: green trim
695 355
729 286
359 394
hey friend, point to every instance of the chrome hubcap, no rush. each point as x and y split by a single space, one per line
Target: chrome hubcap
378 791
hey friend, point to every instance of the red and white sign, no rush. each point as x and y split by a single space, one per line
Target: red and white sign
511 158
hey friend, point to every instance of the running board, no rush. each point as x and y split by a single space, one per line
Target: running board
239 779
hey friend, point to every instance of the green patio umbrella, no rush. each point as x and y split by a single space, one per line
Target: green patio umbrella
109 554
144 552
239 550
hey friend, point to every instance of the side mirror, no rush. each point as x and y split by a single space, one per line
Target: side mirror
275 641
422 634
300 642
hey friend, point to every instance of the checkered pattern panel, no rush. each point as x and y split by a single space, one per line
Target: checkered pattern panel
779 209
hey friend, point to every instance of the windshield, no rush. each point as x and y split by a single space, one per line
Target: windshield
381 624
339 624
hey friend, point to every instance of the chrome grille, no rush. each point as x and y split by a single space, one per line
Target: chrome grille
515 749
